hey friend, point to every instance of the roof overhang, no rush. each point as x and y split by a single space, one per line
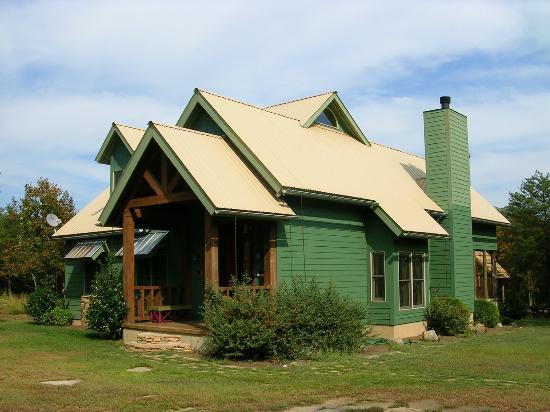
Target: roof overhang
106 148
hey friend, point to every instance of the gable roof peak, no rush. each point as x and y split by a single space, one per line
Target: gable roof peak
327 94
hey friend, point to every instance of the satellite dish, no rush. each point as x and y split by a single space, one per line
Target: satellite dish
53 220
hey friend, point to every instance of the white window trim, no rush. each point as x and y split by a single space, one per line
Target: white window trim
372 299
412 307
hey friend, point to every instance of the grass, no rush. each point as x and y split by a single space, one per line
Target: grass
504 371
12 304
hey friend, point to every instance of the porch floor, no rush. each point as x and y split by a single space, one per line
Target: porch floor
188 327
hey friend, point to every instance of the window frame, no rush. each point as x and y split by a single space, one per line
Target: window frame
114 175
411 280
372 298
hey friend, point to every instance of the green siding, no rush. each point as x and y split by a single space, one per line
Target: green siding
201 121
75 272
119 158
484 236
74 284
337 240
333 238
448 184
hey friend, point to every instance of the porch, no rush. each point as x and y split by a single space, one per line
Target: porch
164 292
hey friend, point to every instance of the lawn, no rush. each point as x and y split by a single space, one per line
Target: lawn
509 370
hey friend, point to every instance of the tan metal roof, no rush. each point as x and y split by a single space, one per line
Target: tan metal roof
501 272
416 167
301 109
132 135
226 180
84 222
322 159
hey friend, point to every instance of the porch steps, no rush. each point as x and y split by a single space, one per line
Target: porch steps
185 328
150 341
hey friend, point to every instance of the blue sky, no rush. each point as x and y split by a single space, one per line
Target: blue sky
69 69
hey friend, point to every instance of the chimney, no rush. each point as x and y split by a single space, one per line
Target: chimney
448 185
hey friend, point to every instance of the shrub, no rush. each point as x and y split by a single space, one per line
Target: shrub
242 326
40 302
448 316
107 308
486 312
312 319
58 316
298 320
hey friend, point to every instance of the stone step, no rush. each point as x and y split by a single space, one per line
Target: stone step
156 338
158 346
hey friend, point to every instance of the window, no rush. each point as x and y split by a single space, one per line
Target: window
116 177
411 280
328 118
378 274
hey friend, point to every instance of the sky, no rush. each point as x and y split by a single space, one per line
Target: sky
70 68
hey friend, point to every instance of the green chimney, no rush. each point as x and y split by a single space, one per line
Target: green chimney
448 184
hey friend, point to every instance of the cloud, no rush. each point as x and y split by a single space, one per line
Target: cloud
71 68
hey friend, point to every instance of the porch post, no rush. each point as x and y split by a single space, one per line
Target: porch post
270 258
211 275
128 228
485 283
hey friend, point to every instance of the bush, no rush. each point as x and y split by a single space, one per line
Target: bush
58 316
107 308
296 321
448 316
486 312
40 302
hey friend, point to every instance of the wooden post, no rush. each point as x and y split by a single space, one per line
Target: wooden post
128 228
485 283
270 258
211 275
494 283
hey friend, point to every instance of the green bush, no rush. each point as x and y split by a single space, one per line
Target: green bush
58 316
448 316
40 302
486 312
107 308
296 321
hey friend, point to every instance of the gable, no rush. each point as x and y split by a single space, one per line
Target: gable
326 109
200 120
128 136
200 159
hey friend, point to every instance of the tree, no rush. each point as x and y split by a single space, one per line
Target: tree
525 246
29 254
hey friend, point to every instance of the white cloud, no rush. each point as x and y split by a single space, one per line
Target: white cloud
71 68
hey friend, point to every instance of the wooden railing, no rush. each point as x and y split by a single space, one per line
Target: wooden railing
227 290
154 295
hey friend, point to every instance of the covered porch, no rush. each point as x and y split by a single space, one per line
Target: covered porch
205 214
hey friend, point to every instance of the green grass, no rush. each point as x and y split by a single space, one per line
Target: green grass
505 370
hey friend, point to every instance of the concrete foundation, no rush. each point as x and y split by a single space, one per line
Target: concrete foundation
407 330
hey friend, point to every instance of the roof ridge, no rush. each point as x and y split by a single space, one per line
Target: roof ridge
398 150
246 104
130 127
185 129
297 100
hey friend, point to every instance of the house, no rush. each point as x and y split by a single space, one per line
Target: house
291 190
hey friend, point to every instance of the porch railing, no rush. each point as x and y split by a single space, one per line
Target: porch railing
154 295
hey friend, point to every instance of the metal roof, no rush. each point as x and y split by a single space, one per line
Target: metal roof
85 221
87 249
322 159
144 245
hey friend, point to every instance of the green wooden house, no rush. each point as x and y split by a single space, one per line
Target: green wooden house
291 190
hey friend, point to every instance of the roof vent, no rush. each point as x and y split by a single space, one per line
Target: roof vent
445 101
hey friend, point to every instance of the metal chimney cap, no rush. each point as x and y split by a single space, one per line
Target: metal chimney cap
445 101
